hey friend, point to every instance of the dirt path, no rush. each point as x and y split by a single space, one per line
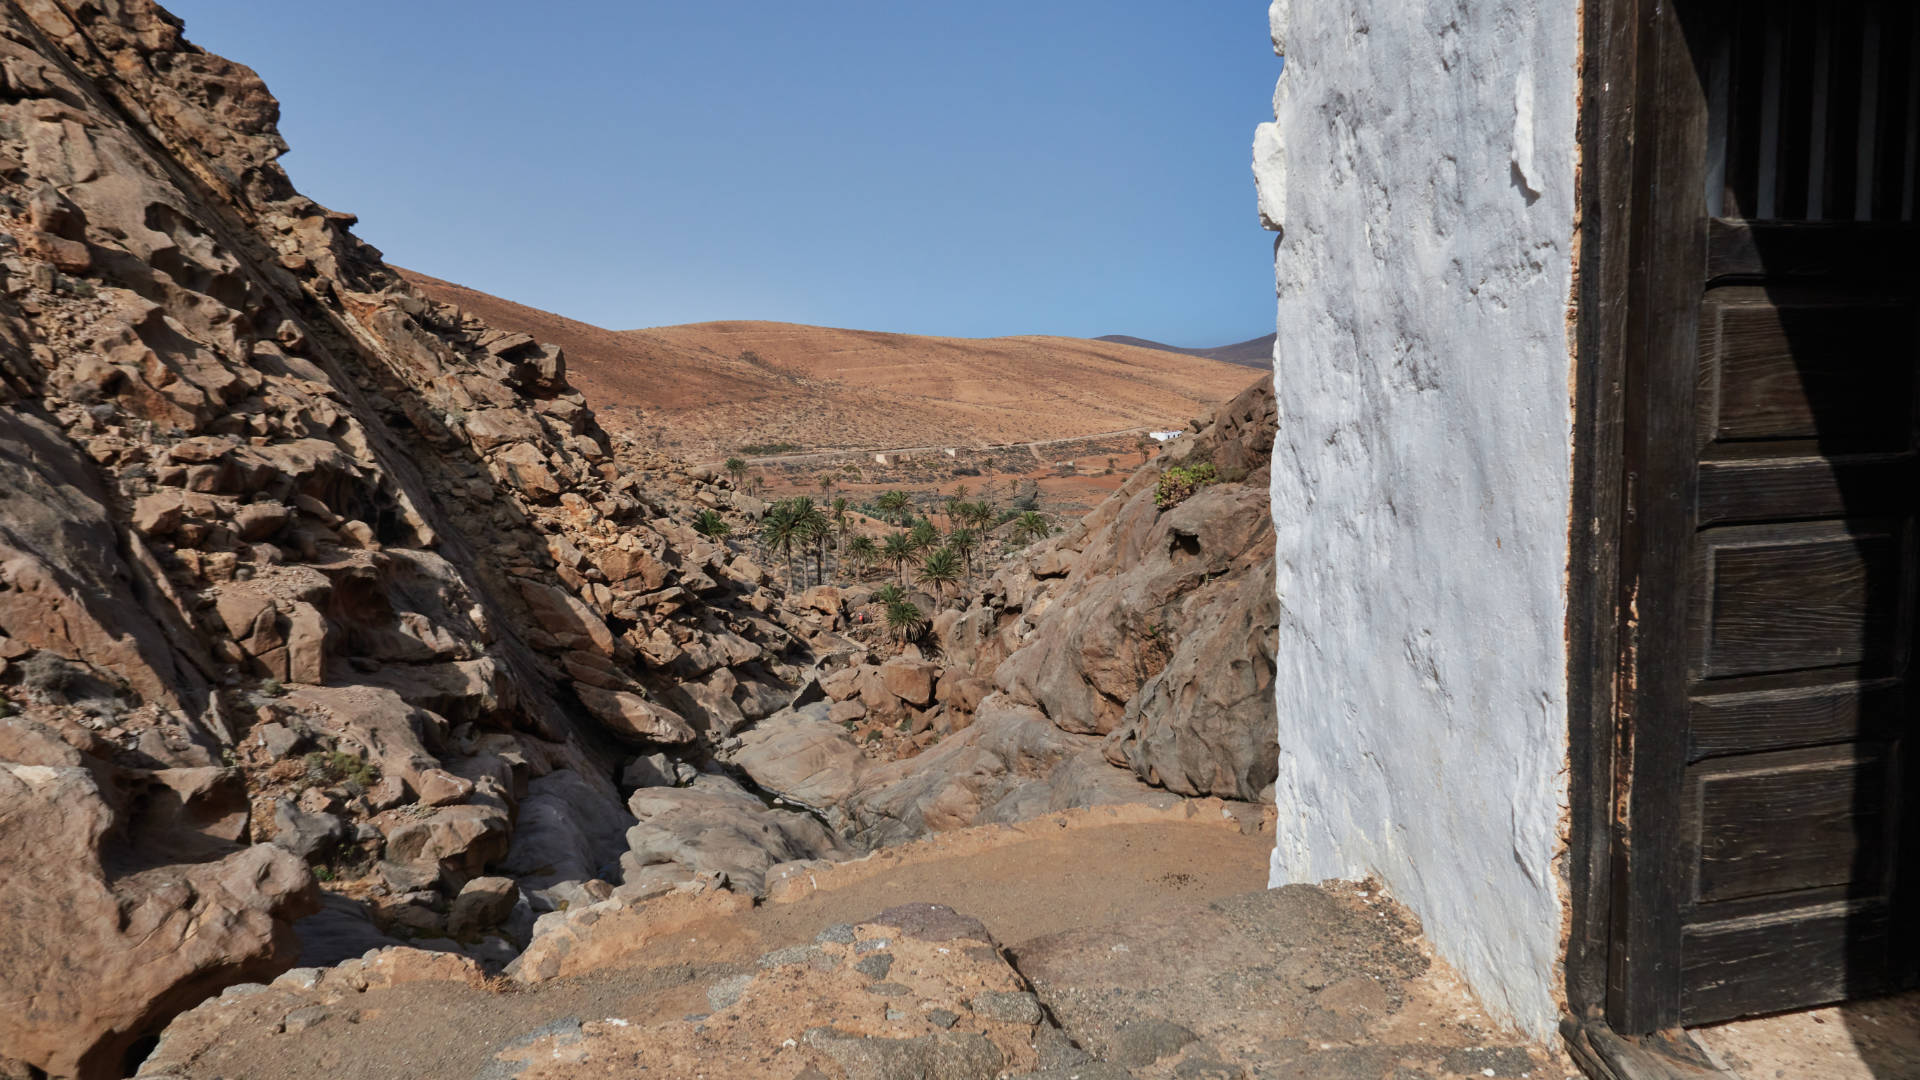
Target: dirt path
1135 926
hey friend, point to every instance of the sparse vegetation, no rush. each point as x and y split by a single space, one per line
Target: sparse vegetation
339 767
895 506
736 468
897 549
862 551
769 449
1179 483
711 525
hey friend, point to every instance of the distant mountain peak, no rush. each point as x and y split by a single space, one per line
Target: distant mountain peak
1257 353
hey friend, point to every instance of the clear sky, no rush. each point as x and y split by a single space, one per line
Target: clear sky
993 167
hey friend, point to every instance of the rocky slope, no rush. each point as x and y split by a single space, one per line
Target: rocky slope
1128 659
302 574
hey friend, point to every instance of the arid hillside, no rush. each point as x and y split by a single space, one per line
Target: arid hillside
1253 353
705 390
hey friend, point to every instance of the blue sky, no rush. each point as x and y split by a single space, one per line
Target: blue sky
996 167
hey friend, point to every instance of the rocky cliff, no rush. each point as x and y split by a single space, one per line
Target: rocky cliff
1129 658
302 575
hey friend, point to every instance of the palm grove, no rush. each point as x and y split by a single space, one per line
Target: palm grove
819 540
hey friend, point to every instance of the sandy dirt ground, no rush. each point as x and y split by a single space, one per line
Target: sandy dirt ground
1121 928
1861 1040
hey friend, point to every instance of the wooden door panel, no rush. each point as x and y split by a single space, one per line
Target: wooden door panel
1783 960
1837 372
1797 487
1778 717
1795 597
1791 821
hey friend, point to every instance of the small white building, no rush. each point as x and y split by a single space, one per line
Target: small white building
1165 436
1595 492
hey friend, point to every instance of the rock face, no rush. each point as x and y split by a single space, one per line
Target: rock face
1141 638
263 505
126 899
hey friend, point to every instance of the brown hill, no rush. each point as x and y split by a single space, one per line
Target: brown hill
1253 353
703 390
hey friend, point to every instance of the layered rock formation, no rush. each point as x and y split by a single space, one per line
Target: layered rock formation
292 555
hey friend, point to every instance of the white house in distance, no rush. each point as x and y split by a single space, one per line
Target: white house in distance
1165 436
1595 494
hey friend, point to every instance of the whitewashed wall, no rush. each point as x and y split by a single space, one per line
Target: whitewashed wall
1422 172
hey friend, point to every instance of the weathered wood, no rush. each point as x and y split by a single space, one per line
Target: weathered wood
1871 485
1791 821
1796 250
1791 959
1765 810
1836 372
1670 230
1790 597
1752 721
1604 1054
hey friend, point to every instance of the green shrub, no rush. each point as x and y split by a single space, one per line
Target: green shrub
1179 483
334 767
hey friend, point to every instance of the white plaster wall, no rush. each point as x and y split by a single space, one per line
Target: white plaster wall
1422 171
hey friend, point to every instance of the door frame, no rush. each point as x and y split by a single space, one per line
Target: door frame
1642 110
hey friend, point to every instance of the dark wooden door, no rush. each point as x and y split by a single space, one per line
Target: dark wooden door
1765 833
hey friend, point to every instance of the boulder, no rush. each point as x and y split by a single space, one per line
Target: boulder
720 828
652 770
311 836
106 959
571 827
802 755
910 681
572 623
483 904
633 718
459 842
259 521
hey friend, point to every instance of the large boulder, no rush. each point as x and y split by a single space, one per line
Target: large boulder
802 755
717 826
64 584
571 827
105 939
1010 765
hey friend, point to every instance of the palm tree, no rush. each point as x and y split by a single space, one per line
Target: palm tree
923 536
1031 526
780 529
736 468
888 593
826 482
939 569
841 524
897 549
904 620
812 524
711 525
1145 445
966 542
894 504
863 551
